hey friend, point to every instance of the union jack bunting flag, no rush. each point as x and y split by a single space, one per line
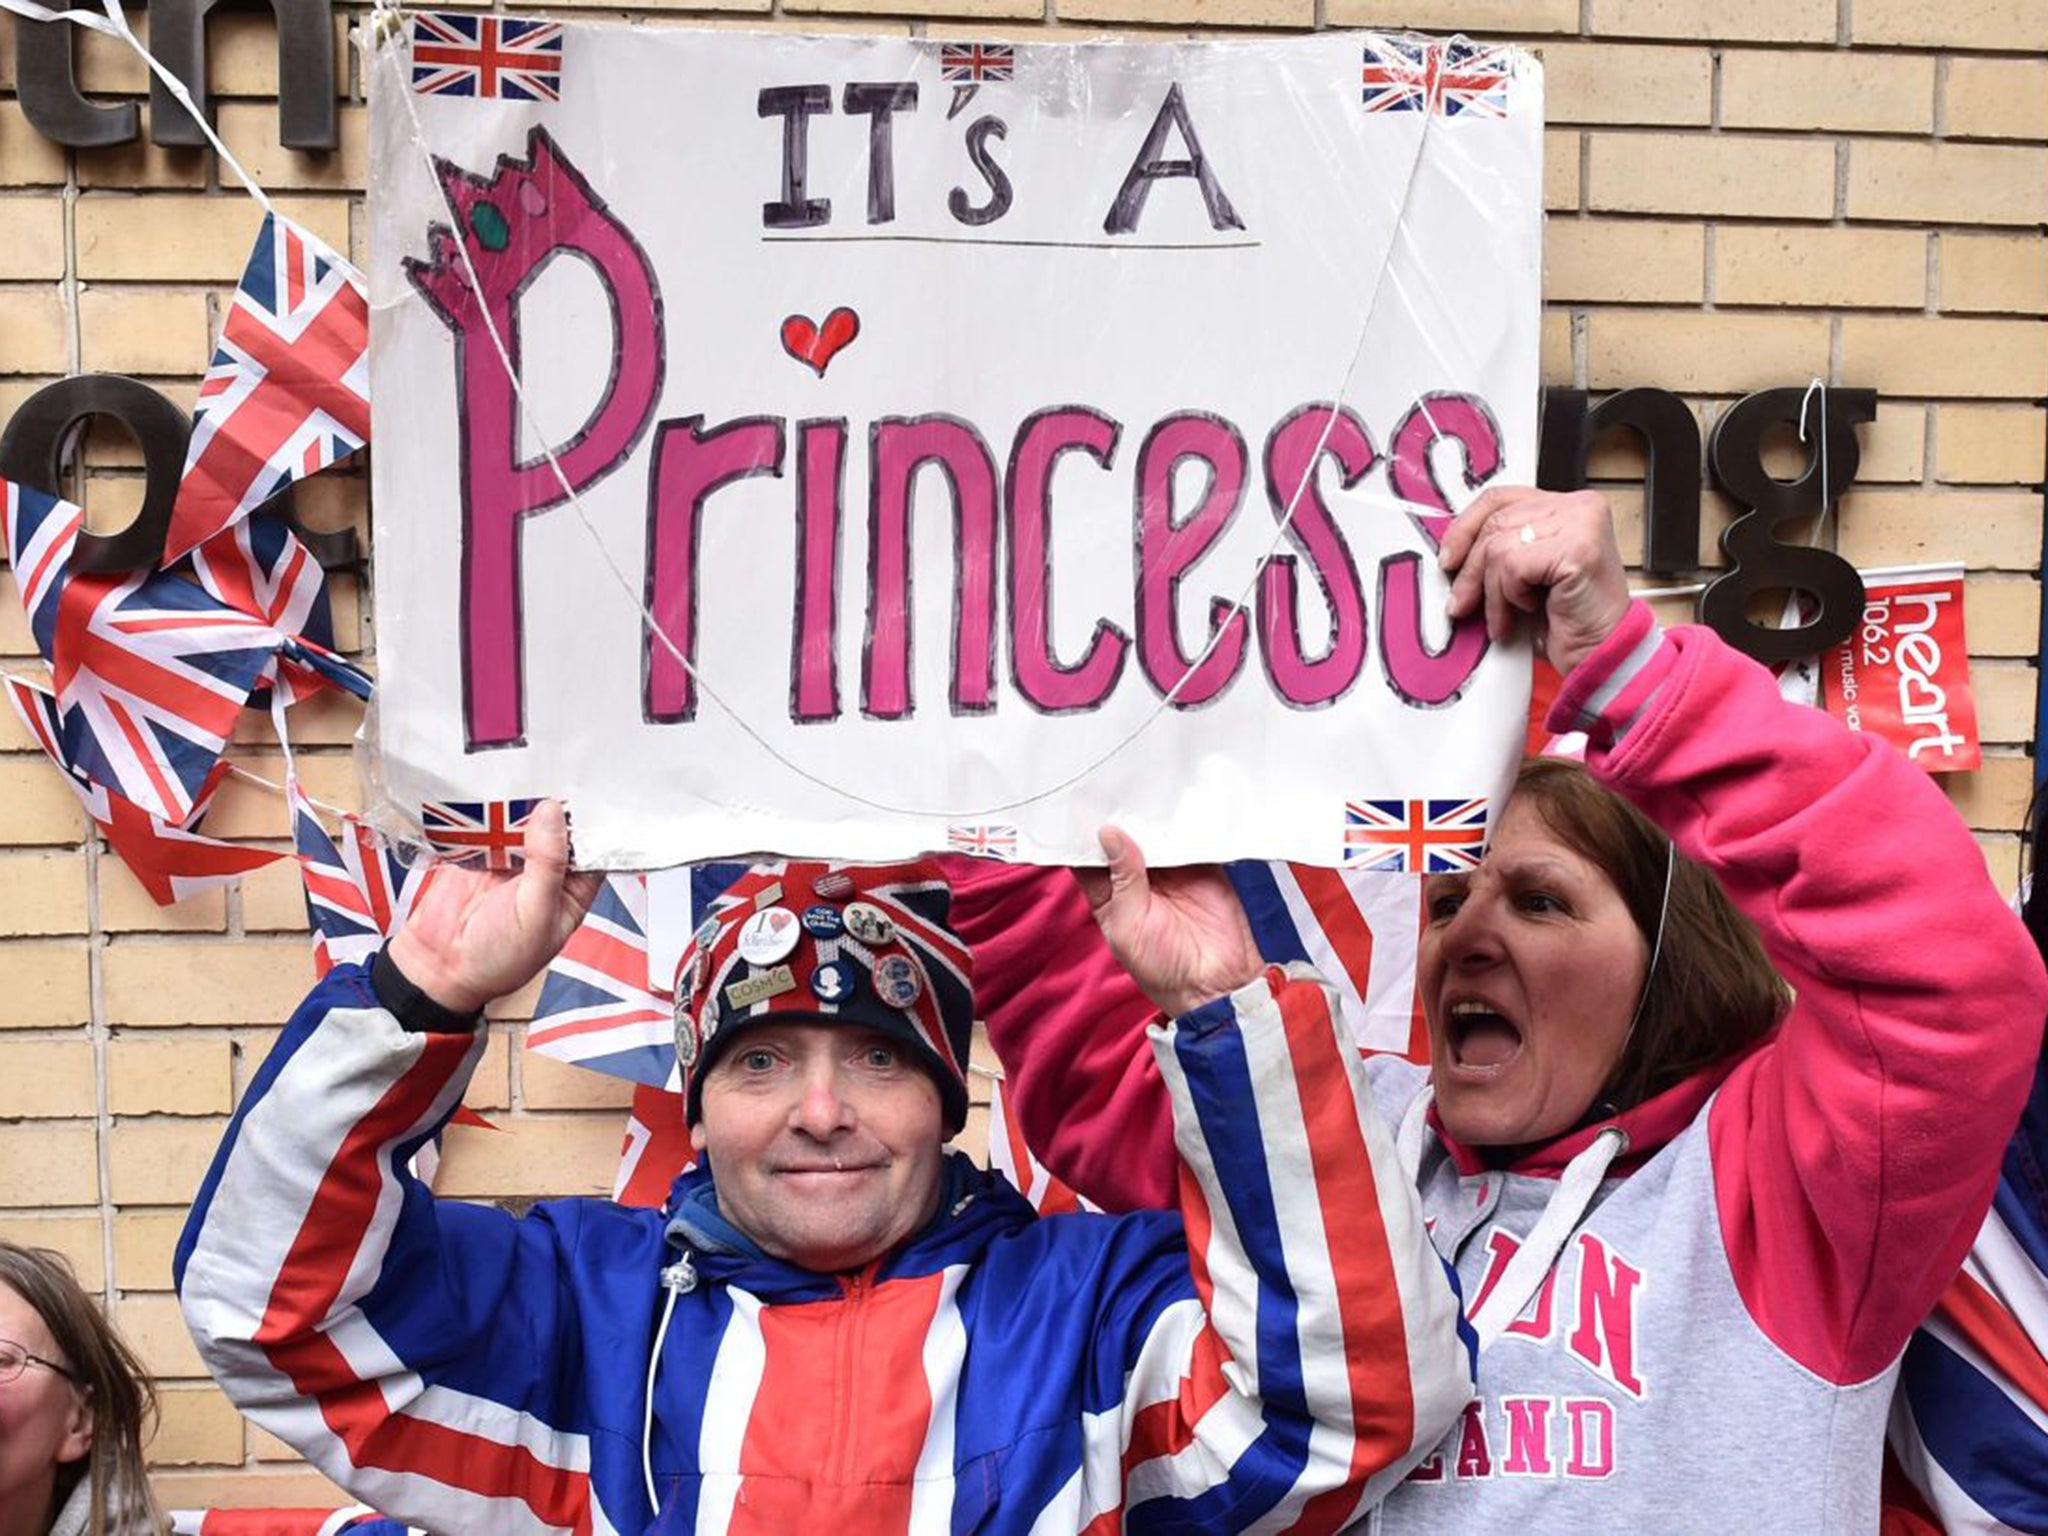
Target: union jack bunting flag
1449 78
1012 1157
151 672
170 862
303 661
487 832
41 530
357 894
976 63
490 57
657 1148
1360 929
1415 837
288 391
983 840
259 567
598 1006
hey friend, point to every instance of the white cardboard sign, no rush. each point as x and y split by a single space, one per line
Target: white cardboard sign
1003 439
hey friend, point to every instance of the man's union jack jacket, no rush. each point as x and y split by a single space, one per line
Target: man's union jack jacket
1274 1356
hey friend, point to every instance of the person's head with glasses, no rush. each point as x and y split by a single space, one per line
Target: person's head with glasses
74 1405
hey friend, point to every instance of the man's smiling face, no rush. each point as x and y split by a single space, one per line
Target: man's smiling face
826 1141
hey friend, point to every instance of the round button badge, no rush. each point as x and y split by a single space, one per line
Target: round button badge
869 923
833 885
768 936
686 1035
896 981
833 981
823 922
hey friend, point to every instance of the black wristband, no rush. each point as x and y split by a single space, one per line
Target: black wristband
414 1010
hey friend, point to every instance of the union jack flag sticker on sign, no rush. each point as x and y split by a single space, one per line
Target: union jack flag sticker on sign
486 832
1417 837
495 58
983 839
976 63
1450 78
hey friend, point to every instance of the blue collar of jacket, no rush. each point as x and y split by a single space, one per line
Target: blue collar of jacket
975 1208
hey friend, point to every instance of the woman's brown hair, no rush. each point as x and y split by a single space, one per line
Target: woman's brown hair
118 1391
1713 992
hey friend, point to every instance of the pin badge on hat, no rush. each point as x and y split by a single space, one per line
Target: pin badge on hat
823 922
760 986
686 1035
700 953
896 981
833 885
869 923
833 981
768 936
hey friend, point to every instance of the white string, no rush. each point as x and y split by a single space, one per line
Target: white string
386 16
1804 401
291 761
114 24
1691 589
1532 1261
235 770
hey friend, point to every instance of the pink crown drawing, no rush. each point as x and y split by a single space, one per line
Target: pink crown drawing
513 221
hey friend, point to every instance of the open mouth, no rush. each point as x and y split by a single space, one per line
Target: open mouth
1482 1039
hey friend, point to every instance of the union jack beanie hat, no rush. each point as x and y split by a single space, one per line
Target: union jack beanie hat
865 944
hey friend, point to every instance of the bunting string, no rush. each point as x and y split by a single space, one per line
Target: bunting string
235 770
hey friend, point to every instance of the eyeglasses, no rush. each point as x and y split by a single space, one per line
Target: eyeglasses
14 1360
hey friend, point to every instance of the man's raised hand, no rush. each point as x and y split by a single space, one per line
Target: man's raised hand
1181 933
474 934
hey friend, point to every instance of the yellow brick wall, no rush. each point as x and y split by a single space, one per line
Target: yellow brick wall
1743 193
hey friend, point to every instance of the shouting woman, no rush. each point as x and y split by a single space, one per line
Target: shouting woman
1695 1216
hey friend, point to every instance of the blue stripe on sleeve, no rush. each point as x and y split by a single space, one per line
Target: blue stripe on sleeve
1211 1052
1273 930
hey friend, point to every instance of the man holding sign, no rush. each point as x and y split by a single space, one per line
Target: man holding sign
834 1325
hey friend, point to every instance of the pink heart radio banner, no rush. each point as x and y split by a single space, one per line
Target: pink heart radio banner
911 444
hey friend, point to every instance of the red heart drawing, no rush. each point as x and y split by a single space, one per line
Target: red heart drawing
817 345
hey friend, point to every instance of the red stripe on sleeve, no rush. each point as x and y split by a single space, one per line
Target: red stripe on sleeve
1368 1300
305 1295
